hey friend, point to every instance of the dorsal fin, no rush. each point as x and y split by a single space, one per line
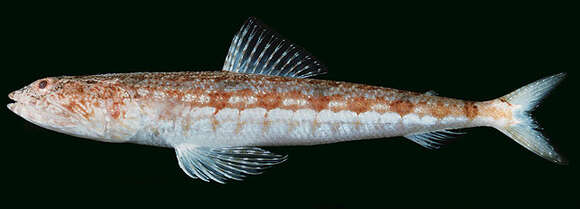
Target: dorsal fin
257 49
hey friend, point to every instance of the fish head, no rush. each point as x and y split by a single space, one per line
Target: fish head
67 105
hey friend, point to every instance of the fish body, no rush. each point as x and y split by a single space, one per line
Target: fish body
216 119
224 109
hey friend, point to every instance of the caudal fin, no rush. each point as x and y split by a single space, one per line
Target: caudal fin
524 132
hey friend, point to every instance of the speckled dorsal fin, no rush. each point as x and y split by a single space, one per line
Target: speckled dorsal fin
224 164
432 140
257 49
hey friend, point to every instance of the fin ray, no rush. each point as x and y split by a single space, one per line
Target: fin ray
432 140
224 164
251 52
525 132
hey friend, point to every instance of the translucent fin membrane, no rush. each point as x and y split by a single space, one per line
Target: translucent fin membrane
524 132
432 140
256 49
224 164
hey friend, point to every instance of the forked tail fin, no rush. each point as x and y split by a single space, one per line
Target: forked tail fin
524 132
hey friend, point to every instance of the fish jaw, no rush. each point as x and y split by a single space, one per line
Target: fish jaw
38 117
26 107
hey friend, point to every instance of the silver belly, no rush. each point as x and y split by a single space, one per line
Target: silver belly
279 127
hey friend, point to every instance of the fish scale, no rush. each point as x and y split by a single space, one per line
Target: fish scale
234 114
217 120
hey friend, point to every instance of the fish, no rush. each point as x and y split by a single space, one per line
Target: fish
218 122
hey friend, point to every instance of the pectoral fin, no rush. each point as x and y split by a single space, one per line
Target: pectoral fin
224 164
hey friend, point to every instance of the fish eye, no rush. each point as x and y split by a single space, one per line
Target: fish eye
42 84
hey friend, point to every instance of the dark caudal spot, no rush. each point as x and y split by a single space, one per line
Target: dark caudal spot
470 110
402 107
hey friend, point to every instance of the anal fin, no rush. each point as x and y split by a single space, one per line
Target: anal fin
432 140
224 164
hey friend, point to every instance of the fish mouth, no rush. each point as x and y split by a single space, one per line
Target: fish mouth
11 95
12 105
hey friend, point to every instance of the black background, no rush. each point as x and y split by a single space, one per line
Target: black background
475 52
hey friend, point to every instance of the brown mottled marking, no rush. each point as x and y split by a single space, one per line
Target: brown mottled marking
291 95
269 92
318 104
75 107
358 105
338 99
115 113
402 107
219 100
268 101
439 110
470 110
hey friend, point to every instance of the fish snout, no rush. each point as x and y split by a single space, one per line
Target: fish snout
18 101
12 95
12 106
19 96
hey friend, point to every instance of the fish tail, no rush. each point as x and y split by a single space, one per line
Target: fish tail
523 129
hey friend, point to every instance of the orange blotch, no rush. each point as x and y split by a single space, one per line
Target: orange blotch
219 100
470 110
318 103
358 105
115 112
402 107
439 110
269 101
